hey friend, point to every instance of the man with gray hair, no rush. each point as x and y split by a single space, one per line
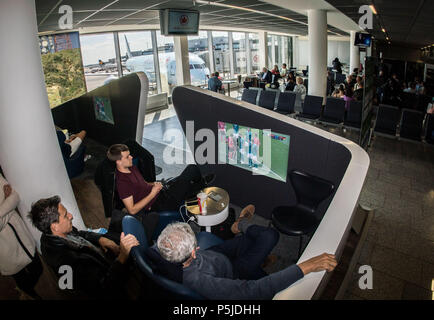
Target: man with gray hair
232 270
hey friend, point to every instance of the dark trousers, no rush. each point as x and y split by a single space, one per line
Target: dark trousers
183 187
27 278
248 251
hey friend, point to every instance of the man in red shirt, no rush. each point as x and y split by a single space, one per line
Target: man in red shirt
140 196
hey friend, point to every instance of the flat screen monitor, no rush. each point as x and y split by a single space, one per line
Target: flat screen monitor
103 109
363 39
179 22
261 151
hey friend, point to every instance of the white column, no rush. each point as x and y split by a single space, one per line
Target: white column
295 53
231 55
29 152
182 60
317 20
211 52
354 53
248 54
263 50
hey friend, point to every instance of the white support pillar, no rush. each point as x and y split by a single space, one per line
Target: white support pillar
248 54
317 20
295 53
231 55
354 53
29 151
263 50
211 52
182 60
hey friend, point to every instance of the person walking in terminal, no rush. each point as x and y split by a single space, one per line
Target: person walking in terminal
18 256
98 264
214 83
140 196
232 270
300 88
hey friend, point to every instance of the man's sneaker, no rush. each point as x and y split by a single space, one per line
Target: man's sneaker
246 213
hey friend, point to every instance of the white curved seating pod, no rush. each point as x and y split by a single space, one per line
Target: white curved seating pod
332 232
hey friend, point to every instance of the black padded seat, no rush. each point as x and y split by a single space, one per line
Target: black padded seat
408 100
411 125
267 99
297 223
301 219
286 102
311 108
387 119
334 111
353 117
249 95
429 136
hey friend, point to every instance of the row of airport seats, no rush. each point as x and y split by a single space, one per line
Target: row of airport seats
408 124
414 101
312 108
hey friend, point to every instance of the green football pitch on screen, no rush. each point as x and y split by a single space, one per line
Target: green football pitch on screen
261 151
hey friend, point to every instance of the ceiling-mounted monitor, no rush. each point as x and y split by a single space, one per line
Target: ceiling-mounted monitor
363 39
179 22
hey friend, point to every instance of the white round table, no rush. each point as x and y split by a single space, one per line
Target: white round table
217 211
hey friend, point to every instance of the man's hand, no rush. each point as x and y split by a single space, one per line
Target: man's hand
156 188
324 261
7 190
107 244
127 242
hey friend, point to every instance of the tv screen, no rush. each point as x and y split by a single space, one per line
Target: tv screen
179 22
103 109
262 152
363 39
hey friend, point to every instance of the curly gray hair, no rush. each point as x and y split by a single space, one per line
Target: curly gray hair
176 242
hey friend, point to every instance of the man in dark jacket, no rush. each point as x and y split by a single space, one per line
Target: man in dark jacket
94 272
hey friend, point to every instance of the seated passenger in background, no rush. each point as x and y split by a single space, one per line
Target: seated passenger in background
232 270
411 88
284 71
338 93
290 85
430 107
358 94
300 88
359 81
266 75
70 146
348 83
94 271
348 96
275 70
140 196
214 83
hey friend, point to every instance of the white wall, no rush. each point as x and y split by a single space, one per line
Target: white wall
335 48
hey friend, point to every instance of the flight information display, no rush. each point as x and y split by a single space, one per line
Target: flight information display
261 151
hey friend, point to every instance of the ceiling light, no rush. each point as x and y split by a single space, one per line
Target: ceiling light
374 11
384 30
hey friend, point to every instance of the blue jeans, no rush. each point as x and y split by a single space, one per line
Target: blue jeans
248 251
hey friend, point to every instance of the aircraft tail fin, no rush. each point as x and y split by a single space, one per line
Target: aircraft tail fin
129 54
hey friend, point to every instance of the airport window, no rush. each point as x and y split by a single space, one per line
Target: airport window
198 54
220 42
239 50
167 62
99 59
254 52
137 55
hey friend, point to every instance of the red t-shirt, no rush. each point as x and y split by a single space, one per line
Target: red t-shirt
133 184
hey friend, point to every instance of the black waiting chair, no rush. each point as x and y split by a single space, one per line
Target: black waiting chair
334 111
387 120
249 95
267 99
165 275
353 118
286 102
311 108
411 124
301 218
429 123
408 100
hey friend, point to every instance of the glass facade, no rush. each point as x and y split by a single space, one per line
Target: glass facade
239 51
99 59
136 54
148 51
199 58
221 52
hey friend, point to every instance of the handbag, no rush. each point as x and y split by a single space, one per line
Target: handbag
20 242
